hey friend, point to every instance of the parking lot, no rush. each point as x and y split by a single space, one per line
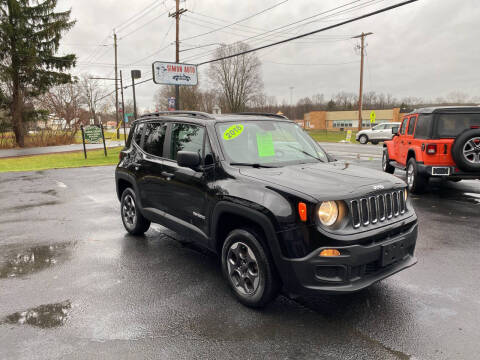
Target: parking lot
74 285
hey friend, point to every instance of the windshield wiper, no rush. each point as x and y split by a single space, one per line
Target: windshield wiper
306 153
255 165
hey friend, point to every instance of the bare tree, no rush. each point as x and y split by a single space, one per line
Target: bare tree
239 77
191 97
64 102
92 95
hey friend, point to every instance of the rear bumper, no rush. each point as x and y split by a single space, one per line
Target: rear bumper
454 172
358 266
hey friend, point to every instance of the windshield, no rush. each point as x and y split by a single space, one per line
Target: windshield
268 143
451 125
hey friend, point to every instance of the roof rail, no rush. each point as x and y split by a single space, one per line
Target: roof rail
263 114
198 114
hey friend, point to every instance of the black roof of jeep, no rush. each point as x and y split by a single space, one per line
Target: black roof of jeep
447 109
203 117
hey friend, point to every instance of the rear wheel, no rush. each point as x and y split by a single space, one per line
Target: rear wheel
249 269
386 162
374 142
132 218
415 181
363 139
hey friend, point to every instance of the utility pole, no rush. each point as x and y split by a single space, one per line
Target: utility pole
123 109
291 102
360 95
177 14
116 82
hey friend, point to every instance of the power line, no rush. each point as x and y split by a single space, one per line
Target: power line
290 24
296 64
131 19
142 26
236 22
312 32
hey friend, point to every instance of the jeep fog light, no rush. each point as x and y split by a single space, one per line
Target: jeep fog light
328 213
329 252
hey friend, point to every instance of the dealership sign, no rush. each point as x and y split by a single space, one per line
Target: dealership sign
167 73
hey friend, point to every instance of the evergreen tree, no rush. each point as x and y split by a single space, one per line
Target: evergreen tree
30 33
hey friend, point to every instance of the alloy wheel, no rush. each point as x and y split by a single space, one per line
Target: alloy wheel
243 268
410 175
129 212
471 150
384 161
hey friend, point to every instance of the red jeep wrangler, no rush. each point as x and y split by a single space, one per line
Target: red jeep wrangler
436 142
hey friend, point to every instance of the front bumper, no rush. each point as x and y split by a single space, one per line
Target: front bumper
453 172
357 267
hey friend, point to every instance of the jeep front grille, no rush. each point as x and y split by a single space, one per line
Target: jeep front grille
378 208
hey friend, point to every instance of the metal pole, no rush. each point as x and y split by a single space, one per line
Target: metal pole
123 109
177 52
83 141
134 100
116 82
103 138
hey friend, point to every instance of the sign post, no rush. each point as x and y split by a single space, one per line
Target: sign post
171 104
373 117
94 135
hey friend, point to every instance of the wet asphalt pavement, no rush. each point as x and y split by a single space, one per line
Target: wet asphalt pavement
74 285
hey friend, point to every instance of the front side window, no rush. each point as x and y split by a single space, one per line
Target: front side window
379 127
154 138
404 125
186 137
268 142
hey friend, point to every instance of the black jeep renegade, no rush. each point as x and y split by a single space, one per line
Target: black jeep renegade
259 192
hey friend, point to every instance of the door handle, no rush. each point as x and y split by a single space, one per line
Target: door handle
409 143
167 175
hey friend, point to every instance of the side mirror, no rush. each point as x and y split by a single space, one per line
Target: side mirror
395 130
188 159
331 158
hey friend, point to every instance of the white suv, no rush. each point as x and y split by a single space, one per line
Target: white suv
376 134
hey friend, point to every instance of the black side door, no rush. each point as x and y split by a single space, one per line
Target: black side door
150 165
187 188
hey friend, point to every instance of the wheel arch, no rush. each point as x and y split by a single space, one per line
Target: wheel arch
227 216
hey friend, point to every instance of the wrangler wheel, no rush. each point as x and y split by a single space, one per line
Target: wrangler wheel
415 181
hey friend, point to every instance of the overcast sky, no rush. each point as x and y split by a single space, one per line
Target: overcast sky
424 49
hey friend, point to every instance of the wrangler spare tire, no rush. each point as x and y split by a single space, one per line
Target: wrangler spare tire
466 150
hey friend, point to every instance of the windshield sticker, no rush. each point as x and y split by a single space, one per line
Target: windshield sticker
233 131
265 145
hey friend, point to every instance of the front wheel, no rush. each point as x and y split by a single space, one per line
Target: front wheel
363 139
132 218
415 181
386 163
249 269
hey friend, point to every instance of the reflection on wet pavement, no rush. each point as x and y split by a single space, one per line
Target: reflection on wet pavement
15 262
43 316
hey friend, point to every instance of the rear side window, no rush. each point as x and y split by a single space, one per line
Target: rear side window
411 125
137 135
404 125
424 123
186 137
154 138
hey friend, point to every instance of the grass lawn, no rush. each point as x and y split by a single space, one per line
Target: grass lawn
58 161
330 136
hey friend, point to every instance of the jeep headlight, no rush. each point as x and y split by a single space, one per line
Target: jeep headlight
328 213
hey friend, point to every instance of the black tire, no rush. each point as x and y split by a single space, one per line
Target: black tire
374 142
386 162
363 139
466 150
248 268
415 181
132 218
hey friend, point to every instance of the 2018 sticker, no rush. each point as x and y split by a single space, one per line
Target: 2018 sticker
233 131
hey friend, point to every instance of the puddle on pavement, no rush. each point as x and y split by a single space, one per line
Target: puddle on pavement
30 206
43 316
18 262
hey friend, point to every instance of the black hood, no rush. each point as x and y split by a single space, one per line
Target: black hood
327 181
